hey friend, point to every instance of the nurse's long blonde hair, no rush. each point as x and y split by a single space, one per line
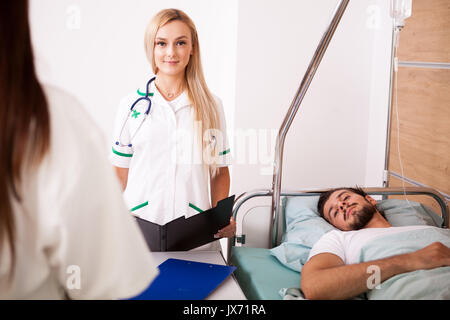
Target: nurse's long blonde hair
205 106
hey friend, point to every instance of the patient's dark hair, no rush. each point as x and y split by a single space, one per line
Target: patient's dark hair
326 195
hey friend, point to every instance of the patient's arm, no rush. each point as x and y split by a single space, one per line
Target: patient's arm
325 276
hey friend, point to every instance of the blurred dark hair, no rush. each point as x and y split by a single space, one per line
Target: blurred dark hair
24 118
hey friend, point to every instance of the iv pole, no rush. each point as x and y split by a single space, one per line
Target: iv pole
400 10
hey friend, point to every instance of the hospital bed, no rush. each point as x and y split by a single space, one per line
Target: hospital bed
260 272
268 263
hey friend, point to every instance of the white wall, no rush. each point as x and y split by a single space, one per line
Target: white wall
338 136
254 56
95 49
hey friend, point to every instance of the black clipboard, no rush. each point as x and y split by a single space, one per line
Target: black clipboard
184 234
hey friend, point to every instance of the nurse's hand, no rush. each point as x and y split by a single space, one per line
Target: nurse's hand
227 232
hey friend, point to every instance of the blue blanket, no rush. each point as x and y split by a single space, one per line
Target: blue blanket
420 284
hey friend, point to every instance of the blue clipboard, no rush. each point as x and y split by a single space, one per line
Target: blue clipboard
185 280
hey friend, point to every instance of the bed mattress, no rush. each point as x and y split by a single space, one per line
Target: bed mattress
260 275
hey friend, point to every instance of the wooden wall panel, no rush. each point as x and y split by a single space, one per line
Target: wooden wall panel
424 110
426 35
423 101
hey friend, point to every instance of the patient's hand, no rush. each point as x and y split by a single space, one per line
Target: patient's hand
228 231
432 256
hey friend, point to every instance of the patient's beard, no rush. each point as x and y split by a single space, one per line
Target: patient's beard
363 216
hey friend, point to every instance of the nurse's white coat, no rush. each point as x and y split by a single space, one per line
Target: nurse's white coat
74 235
167 178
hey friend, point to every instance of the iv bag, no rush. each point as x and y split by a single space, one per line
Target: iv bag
400 10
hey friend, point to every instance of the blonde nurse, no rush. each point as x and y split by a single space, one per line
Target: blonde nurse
172 156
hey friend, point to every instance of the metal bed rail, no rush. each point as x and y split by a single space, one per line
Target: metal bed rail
304 85
239 201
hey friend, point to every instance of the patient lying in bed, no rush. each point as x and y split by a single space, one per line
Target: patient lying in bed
368 255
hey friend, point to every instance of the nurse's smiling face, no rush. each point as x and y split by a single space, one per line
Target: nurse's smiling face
173 48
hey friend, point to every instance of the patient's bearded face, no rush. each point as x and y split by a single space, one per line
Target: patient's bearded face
348 211
363 216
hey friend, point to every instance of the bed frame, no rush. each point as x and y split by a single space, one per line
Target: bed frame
260 275
246 213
